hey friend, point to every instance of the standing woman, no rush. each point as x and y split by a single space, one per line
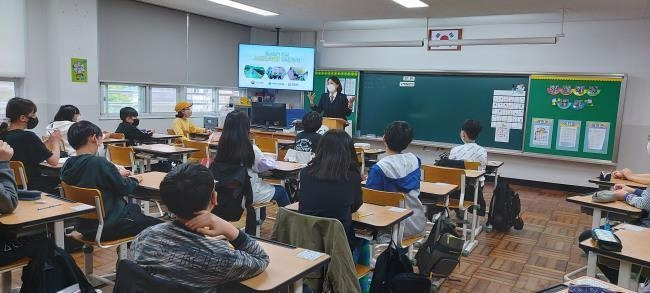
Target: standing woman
28 148
66 116
333 103
182 125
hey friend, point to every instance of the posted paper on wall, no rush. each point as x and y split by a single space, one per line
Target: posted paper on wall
502 133
508 107
541 133
568 135
597 137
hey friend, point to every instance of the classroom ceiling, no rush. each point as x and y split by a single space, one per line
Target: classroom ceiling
310 15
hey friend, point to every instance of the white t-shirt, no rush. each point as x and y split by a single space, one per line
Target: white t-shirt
262 191
470 152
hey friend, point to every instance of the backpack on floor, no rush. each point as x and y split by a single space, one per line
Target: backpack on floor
505 208
440 253
53 273
410 282
390 263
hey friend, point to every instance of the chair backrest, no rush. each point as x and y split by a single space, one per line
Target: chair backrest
267 144
170 131
442 174
115 135
19 173
87 196
202 146
472 165
383 198
120 155
133 278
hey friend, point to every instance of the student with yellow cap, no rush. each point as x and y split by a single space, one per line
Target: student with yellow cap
182 125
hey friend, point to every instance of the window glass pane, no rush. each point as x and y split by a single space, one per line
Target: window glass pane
121 95
163 99
225 94
7 91
201 98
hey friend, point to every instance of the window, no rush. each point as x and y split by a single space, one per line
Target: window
224 95
163 99
201 98
7 91
118 96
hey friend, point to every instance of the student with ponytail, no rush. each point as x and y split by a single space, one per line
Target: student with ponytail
28 148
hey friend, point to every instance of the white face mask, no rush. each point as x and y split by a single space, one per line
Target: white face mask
331 88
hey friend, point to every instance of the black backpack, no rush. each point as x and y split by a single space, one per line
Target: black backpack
505 208
390 263
46 274
234 191
440 253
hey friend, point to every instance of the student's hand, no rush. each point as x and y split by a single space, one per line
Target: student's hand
208 132
137 177
208 224
105 134
6 152
618 175
351 101
624 188
620 194
124 172
310 95
55 136
626 173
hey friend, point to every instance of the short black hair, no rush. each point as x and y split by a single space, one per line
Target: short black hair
127 112
398 135
187 189
472 128
80 132
66 113
312 121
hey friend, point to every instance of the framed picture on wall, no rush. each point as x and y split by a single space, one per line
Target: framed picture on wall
445 35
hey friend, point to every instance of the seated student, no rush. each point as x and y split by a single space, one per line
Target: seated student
129 126
26 246
235 147
28 148
307 140
330 186
178 251
88 170
182 125
470 151
66 116
398 172
627 174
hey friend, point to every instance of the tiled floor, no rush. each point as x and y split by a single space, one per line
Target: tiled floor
518 261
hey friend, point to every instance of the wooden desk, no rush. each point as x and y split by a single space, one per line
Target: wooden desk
162 151
474 174
164 138
635 251
108 141
151 180
492 168
278 134
434 189
285 268
608 184
618 207
584 279
289 166
46 210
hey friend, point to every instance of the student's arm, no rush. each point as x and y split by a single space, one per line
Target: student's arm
8 194
194 128
121 186
344 106
132 132
375 178
639 178
642 201
248 258
39 152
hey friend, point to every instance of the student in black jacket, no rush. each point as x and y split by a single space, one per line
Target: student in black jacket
307 140
333 103
129 126
330 186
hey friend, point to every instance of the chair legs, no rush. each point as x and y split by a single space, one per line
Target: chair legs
88 264
6 282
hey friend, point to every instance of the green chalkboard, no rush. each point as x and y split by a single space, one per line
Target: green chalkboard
436 105
590 114
349 81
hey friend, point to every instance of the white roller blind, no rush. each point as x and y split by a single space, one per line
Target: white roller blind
12 38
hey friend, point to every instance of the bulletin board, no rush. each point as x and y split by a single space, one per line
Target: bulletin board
574 116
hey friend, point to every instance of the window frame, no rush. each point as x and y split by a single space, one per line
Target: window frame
103 96
17 84
150 87
212 96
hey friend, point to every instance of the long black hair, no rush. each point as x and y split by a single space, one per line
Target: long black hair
335 156
235 146
16 107
66 113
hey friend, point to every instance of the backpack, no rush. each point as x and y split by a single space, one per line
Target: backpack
505 208
234 191
53 273
440 253
410 282
390 263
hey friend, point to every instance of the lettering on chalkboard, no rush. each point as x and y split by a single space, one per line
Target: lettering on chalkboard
407 84
408 78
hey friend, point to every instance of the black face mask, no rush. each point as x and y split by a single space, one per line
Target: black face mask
32 122
136 122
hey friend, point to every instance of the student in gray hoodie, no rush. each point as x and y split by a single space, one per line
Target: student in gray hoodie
14 248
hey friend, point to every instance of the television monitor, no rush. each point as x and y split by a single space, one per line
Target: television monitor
276 67
269 114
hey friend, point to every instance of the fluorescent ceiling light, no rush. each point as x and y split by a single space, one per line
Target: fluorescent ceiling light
411 3
244 7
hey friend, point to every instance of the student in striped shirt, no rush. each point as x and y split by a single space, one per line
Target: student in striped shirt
470 151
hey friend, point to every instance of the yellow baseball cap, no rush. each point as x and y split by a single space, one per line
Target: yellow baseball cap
182 105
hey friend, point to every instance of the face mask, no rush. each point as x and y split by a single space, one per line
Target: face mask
331 88
32 122
78 118
136 122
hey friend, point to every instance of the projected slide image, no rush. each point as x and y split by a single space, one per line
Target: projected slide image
275 67
255 72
